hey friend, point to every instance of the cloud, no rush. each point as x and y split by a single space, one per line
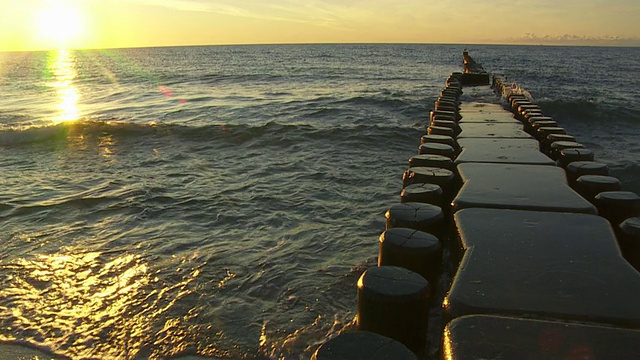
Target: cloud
314 12
573 39
181 5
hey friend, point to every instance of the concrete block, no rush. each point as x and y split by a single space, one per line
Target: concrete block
514 186
497 337
554 265
492 130
510 151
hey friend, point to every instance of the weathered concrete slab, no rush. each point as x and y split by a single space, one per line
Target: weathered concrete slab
515 186
497 337
481 107
556 265
488 117
484 112
510 151
483 93
493 130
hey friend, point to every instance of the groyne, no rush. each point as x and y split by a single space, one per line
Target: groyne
509 239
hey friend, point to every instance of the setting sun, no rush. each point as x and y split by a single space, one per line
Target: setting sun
59 24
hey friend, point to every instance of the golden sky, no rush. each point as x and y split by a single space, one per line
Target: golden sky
49 24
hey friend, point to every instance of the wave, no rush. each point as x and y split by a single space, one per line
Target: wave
30 135
590 110
80 204
629 175
90 129
215 79
212 79
382 101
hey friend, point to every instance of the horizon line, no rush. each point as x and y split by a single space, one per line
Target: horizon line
531 43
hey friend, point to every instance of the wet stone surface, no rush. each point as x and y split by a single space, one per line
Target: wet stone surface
579 168
441 112
496 337
542 132
440 139
440 130
514 186
488 118
616 206
391 282
589 186
510 151
437 149
492 130
556 147
393 302
419 216
570 155
485 113
431 175
423 193
362 345
629 240
554 265
431 160
534 119
411 249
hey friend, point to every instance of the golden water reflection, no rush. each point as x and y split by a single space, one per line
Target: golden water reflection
106 144
69 300
64 73
91 304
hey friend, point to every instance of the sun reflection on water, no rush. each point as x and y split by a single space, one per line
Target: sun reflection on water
76 299
88 305
106 144
64 73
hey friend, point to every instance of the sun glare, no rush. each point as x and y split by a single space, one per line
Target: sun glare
59 24
64 73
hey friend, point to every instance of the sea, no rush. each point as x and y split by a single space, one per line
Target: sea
222 201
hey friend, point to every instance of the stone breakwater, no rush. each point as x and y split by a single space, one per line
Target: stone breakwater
510 239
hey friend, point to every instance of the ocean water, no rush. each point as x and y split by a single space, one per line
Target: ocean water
222 201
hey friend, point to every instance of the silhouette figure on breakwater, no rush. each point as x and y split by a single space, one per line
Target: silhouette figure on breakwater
470 65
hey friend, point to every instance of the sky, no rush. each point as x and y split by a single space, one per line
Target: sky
52 24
